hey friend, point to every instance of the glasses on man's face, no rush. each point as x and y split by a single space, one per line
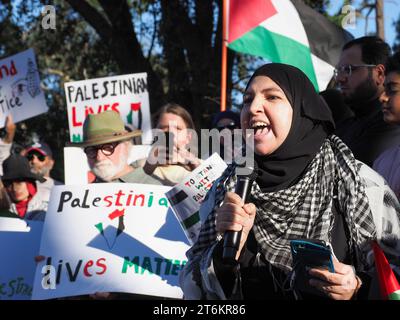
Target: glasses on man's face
38 155
348 69
107 149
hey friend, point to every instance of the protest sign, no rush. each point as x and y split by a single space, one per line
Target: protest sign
19 244
76 167
125 94
20 92
187 196
110 237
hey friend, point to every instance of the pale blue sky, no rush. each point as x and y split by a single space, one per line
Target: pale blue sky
391 14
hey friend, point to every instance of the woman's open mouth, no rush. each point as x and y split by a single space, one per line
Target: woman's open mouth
260 129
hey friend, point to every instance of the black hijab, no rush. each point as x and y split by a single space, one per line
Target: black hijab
312 122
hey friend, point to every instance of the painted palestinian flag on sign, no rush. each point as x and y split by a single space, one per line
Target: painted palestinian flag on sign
289 32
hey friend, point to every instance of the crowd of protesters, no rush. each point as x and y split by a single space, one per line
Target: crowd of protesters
314 156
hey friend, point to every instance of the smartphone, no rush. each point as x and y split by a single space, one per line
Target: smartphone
309 253
168 139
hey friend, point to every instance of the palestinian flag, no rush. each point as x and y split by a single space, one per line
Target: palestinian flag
289 32
390 288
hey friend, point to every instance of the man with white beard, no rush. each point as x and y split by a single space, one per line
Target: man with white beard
107 146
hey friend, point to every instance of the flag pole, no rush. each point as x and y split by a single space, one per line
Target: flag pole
224 56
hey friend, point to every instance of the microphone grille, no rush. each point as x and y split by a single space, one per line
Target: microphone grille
249 171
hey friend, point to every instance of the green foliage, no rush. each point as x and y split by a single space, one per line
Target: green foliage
72 51
178 43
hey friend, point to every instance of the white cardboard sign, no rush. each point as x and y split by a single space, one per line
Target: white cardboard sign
187 196
126 94
110 237
20 92
19 244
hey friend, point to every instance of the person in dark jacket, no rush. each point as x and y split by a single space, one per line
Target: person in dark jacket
334 100
360 76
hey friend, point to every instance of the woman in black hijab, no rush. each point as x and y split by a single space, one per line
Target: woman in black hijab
309 186
310 125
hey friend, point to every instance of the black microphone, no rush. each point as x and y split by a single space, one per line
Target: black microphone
245 180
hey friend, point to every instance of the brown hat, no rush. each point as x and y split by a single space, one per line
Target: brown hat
104 127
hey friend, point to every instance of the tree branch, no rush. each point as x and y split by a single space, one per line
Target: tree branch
153 38
59 73
366 19
93 17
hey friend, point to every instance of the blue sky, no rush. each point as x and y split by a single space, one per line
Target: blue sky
391 14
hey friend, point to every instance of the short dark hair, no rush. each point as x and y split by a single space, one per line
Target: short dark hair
393 64
228 114
373 49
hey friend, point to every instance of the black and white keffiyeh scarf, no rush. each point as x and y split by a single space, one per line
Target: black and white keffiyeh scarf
303 210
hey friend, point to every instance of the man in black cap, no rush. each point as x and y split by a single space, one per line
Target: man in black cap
41 161
7 140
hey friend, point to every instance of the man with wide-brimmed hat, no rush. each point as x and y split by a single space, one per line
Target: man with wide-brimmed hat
26 200
107 145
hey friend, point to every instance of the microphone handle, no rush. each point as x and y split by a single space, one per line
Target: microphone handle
232 238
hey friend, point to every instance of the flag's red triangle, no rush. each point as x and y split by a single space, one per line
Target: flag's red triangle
116 214
387 280
245 15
